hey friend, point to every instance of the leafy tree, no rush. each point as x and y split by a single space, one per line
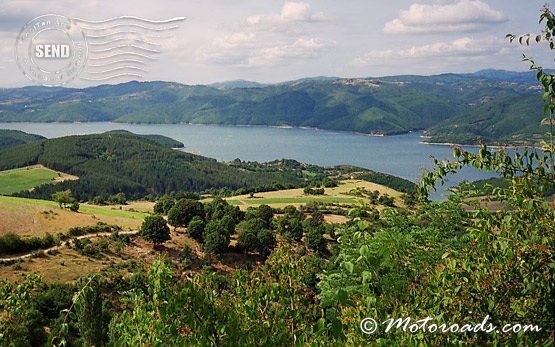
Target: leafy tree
89 312
266 214
163 205
314 239
290 228
196 228
247 239
228 224
291 211
262 212
314 191
266 241
118 199
155 229
216 237
247 233
183 211
63 197
316 219
215 242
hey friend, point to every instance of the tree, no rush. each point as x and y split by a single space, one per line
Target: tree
155 229
247 234
216 237
266 241
63 197
215 242
89 312
263 212
247 239
314 239
290 228
183 211
266 214
196 228
74 207
118 199
163 205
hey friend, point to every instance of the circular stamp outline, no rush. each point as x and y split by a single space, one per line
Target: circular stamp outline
23 49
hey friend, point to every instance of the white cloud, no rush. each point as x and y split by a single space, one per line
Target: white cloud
259 53
464 15
290 12
268 40
463 47
301 48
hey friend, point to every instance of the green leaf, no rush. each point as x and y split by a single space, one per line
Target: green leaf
349 266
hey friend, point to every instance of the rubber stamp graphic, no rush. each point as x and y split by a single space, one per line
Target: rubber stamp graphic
54 49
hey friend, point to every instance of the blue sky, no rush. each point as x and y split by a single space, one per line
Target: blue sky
273 41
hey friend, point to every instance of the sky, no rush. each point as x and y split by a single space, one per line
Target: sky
274 40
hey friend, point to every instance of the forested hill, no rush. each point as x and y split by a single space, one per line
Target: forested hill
124 162
12 138
385 105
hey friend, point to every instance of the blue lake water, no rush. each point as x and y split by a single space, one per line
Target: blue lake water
401 155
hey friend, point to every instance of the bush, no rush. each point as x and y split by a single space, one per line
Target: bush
74 207
314 191
99 227
12 243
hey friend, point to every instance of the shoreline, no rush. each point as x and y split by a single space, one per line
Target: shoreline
282 126
450 144
286 126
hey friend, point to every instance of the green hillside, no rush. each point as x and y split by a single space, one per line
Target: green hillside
385 105
12 138
107 164
136 165
499 121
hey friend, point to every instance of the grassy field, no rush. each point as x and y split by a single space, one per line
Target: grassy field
296 197
16 180
31 217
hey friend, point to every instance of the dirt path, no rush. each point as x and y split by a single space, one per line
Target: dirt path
64 244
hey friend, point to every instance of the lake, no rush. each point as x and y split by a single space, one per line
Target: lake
401 155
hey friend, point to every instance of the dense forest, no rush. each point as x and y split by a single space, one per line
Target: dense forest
490 104
140 165
12 138
107 164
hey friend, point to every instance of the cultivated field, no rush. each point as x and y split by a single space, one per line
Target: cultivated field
16 180
296 197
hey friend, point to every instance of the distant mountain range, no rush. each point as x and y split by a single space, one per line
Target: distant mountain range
496 106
